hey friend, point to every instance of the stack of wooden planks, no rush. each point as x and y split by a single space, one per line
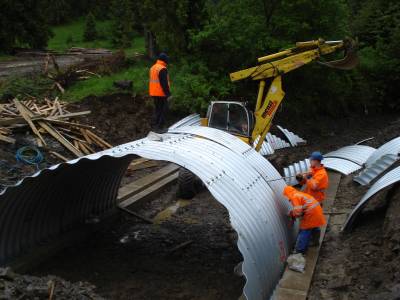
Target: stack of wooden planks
49 118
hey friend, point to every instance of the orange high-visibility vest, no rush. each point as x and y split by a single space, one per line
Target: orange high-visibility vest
306 208
318 183
155 88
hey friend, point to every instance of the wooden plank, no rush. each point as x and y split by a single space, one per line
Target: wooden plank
58 155
59 122
54 133
295 285
27 114
139 185
143 165
149 192
99 140
7 139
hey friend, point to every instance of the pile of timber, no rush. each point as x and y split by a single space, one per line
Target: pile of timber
53 119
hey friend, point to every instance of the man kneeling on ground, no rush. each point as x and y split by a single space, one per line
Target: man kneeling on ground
310 213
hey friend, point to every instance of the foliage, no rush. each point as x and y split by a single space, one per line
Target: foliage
22 23
21 87
90 33
123 23
138 73
71 35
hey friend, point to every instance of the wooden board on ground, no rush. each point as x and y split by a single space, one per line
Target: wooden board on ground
139 185
294 285
150 191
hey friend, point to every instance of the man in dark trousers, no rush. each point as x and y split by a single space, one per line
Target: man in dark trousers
159 89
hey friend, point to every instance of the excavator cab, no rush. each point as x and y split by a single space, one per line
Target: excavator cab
232 117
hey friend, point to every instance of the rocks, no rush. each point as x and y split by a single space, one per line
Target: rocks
15 286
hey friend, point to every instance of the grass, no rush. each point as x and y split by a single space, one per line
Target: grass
5 57
71 35
138 73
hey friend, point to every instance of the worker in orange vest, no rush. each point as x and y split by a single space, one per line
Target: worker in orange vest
316 181
310 213
159 89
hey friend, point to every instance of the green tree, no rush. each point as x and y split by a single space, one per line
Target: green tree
123 23
90 32
22 23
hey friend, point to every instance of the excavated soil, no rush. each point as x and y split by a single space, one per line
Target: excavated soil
134 260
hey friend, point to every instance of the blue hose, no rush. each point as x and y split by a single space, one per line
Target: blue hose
29 155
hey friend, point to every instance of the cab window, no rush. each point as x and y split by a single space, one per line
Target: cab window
219 116
238 120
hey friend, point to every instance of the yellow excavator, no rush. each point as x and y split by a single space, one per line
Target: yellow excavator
235 118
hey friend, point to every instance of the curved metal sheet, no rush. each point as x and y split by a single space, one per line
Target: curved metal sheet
293 139
388 179
291 171
377 168
355 153
391 147
343 166
59 197
266 148
191 120
276 142
337 164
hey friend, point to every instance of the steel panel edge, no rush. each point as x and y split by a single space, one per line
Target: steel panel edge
293 138
388 179
391 147
375 169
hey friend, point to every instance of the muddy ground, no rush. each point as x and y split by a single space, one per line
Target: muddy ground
133 260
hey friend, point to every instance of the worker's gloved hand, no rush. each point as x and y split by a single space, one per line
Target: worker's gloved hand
299 178
170 98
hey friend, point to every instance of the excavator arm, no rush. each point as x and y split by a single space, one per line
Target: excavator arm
275 65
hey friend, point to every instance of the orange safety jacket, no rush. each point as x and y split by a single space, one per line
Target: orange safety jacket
318 183
155 88
306 208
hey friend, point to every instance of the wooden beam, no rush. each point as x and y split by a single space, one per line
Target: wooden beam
27 115
62 140
143 183
7 139
150 192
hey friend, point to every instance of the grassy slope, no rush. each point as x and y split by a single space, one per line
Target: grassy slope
104 85
71 35
101 86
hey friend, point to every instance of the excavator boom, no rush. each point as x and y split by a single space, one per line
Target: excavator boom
275 65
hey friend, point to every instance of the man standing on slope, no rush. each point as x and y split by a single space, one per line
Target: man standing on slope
159 89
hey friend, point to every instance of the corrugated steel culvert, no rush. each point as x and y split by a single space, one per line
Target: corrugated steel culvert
388 179
236 175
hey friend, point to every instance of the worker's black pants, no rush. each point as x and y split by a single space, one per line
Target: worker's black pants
160 112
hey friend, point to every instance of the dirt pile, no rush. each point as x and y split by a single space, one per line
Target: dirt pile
120 118
15 286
